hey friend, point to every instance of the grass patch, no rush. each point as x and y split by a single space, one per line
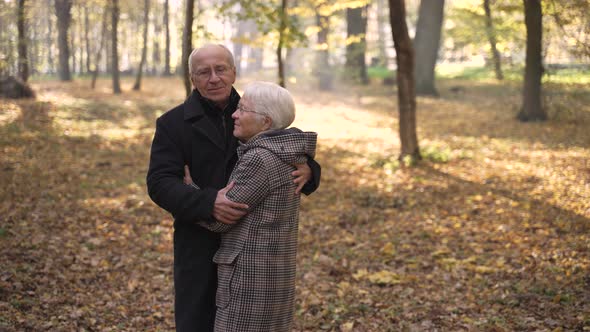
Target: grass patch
575 75
380 72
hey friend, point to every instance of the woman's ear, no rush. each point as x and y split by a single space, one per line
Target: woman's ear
267 124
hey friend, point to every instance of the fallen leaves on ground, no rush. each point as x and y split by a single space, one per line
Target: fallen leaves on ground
490 233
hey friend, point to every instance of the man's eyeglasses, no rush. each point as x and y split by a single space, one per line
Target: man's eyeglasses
205 74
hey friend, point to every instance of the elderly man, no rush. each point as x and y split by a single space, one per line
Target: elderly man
198 133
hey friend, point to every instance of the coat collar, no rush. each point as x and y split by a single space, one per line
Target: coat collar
194 113
193 106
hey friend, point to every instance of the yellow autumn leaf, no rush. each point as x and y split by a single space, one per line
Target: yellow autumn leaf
360 274
346 327
388 249
484 269
384 278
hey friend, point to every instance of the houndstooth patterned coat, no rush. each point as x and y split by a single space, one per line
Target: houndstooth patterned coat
257 257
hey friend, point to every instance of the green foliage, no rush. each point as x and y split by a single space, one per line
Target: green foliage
2 232
570 22
465 26
268 18
566 74
380 72
436 154
478 73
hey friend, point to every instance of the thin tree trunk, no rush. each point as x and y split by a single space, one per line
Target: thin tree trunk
323 55
81 63
23 63
34 49
64 18
405 81
282 28
492 38
146 13
86 37
531 103
103 37
187 45
239 46
48 41
356 28
73 48
114 46
156 51
381 32
428 30
167 28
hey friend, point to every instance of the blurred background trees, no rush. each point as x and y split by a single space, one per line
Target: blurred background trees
319 39
324 44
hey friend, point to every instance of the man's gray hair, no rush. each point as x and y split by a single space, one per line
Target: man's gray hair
230 56
273 101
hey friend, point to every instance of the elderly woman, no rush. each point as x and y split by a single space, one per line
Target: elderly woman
257 257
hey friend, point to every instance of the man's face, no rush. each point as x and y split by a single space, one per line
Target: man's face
213 75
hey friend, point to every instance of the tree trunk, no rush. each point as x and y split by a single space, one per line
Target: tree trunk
79 41
114 46
48 41
23 63
531 103
156 51
86 37
167 28
239 46
34 49
187 44
282 28
428 29
356 46
64 18
492 38
323 53
103 37
73 48
405 81
146 16
381 30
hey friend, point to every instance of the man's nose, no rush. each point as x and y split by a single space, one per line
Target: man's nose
214 77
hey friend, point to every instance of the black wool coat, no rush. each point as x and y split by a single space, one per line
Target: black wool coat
186 135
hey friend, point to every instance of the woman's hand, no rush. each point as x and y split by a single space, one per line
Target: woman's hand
302 174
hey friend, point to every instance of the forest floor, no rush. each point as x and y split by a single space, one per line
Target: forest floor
491 232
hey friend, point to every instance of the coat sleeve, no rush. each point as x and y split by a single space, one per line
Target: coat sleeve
251 178
165 175
252 185
316 172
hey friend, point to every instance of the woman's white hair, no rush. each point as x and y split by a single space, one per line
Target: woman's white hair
273 101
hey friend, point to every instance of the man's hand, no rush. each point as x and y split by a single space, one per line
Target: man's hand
226 211
302 174
188 180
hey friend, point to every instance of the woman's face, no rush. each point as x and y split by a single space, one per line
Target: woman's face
247 122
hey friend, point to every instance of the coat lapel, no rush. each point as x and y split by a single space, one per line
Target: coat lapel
194 113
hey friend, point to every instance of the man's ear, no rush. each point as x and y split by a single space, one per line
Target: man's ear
192 81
